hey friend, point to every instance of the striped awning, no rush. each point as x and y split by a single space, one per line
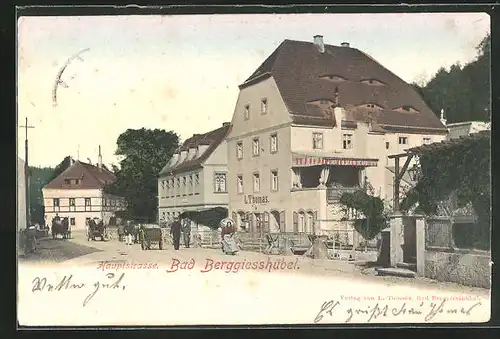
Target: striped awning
306 160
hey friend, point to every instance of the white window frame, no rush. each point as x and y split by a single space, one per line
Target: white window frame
275 137
72 202
240 188
256 182
217 186
246 112
426 140
264 106
347 141
239 145
274 178
58 204
255 143
401 138
315 140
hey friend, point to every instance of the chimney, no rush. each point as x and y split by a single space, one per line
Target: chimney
339 116
443 120
318 41
344 44
336 94
99 163
71 161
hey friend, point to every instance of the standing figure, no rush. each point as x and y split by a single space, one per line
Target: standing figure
186 231
228 231
175 231
129 229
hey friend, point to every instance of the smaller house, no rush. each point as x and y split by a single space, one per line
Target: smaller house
459 129
195 178
78 193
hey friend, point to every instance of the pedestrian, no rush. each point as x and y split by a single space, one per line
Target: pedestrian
175 231
128 233
186 230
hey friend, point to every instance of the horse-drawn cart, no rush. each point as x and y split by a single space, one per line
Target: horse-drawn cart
60 227
151 235
96 229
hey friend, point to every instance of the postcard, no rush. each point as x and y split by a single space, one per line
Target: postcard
253 169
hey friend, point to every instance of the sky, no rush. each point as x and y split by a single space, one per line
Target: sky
182 73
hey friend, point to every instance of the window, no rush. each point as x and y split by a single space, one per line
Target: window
179 182
167 184
220 182
347 141
373 82
273 144
163 184
239 183
274 180
317 140
72 202
239 150
403 140
163 216
427 141
197 179
190 183
67 181
256 182
247 112
77 181
387 145
87 201
56 202
263 106
72 221
256 147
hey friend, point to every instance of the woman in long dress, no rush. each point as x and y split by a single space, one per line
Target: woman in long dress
228 231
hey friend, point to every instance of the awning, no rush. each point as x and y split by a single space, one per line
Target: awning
306 160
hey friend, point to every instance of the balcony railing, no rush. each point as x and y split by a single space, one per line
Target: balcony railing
334 194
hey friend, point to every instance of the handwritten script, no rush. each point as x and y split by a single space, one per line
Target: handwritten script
425 311
110 282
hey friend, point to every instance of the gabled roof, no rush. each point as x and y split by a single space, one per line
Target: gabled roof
298 68
212 139
90 177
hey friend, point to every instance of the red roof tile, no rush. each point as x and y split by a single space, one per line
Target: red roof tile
298 66
212 139
89 176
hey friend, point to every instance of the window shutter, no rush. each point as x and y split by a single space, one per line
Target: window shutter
295 222
282 221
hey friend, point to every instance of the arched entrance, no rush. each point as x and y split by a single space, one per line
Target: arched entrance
274 222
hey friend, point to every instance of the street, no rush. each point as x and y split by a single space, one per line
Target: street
192 279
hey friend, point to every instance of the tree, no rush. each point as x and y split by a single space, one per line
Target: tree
39 177
145 152
63 165
463 92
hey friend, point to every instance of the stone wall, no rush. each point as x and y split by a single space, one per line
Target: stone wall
472 269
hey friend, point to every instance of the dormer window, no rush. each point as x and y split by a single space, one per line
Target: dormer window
333 78
324 103
371 105
372 82
406 109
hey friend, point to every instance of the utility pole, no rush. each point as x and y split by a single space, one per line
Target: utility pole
26 173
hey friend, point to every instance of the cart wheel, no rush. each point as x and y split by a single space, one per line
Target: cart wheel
160 245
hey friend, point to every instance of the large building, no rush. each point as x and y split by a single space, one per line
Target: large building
460 129
195 178
313 121
78 193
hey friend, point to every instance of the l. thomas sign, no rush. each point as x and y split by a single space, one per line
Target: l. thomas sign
252 199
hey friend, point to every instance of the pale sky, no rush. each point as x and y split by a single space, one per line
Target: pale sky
181 72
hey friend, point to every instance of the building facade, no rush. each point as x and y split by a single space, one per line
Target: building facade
195 178
78 193
460 129
314 121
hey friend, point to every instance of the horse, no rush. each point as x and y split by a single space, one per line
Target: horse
60 227
96 229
